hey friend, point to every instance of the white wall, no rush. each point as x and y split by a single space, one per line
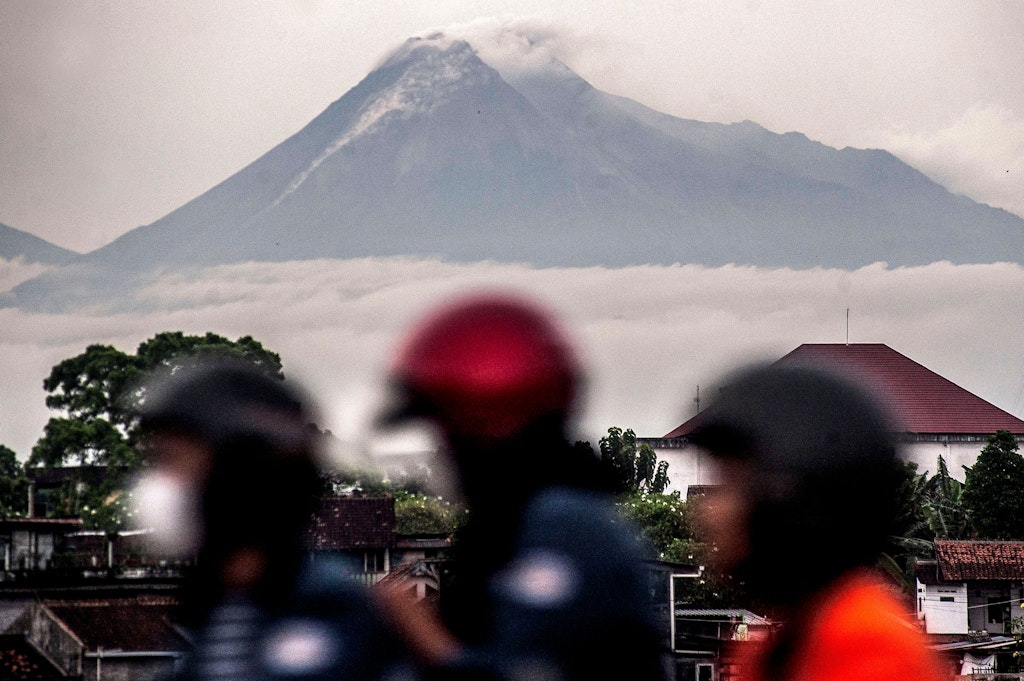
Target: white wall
956 454
944 607
687 466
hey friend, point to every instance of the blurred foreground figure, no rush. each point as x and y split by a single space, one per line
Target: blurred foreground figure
233 480
809 474
549 584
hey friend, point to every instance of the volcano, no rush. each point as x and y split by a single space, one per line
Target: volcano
437 153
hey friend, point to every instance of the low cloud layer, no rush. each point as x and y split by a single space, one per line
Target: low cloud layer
650 335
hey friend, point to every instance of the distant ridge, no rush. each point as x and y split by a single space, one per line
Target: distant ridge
15 243
437 153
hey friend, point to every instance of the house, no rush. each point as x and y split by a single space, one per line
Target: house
28 544
933 416
421 578
20 660
114 639
970 598
701 641
360 529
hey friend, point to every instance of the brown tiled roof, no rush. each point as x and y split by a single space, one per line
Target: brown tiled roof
353 522
21 661
921 400
962 560
122 624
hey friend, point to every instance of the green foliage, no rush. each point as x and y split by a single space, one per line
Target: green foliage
417 513
991 494
633 464
669 524
109 514
13 485
96 394
943 506
663 519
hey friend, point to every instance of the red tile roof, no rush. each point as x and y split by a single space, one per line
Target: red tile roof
21 661
920 399
961 560
353 522
123 624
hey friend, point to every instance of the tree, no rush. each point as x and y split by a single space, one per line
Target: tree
634 465
943 506
97 393
13 484
991 493
417 513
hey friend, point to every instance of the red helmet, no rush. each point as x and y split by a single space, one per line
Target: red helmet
486 365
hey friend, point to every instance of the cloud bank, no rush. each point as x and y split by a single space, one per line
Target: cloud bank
650 335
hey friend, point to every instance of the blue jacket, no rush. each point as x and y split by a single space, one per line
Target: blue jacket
328 631
572 602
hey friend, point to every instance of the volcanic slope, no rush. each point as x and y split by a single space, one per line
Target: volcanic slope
436 153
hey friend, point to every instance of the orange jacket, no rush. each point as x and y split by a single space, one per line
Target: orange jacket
857 632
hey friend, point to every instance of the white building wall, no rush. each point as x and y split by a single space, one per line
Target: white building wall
687 465
690 465
956 455
943 607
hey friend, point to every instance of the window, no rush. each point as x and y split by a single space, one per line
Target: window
946 599
705 672
995 609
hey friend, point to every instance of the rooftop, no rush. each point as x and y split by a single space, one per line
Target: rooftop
353 522
22 661
140 624
922 401
961 560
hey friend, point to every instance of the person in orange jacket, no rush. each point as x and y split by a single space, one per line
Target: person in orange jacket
809 474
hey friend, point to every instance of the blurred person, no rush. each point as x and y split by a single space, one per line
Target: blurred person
549 581
233 479
809 492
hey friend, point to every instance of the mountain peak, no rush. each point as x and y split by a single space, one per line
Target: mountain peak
476 150
417 78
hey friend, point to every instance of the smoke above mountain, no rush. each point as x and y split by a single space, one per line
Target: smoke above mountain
439 152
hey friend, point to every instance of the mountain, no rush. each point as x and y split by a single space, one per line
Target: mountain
437 153
15 243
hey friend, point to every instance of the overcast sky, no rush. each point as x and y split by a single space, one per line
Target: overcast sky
114 113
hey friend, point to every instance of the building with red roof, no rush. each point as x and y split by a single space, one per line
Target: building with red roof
115 638
934 416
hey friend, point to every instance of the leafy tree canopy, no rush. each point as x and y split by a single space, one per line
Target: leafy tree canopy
96 394
991 493
418 513
13 484
634 465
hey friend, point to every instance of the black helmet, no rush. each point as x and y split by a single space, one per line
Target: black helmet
224 401
822 474
262 481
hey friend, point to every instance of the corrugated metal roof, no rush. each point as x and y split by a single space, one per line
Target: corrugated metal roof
922 401
735 615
